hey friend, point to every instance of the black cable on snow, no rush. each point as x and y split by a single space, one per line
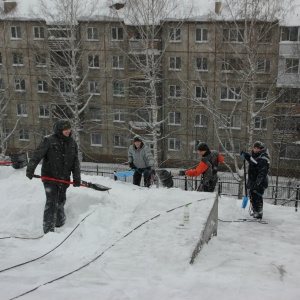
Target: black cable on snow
37 258
98 256
245 220
21 237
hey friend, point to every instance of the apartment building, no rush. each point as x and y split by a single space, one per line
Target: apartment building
210 85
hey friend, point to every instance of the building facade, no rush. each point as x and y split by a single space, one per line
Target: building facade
198 80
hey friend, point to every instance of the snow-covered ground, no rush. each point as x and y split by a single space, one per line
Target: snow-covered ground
128 244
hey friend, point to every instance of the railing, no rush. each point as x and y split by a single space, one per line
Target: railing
285 193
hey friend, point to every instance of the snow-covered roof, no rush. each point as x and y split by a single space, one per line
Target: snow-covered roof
192 10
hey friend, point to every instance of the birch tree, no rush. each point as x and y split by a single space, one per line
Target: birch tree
144 22
241 102
66 28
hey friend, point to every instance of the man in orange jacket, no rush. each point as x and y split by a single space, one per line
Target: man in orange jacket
208 167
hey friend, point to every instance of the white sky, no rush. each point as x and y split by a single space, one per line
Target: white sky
245 261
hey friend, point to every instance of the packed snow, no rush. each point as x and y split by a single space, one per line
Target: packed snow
132 243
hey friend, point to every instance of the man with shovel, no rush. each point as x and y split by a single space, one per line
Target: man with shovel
59 152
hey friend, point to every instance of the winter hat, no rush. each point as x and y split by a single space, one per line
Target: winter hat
137 138
259 145
61 125
202 147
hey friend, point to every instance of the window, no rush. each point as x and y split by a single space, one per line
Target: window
201 92
201 64
230 93
291 65
260 123
201 34
1 84
144 114
174 118
38 33
24 135
228 147
19 85
261 94
15 32
290 151
175 63
265 34
64 86
289 96
95 114
233 35
119 141
201 120
42 86
118 62
175 34
117 33
118 89
173 144
94 87
174 91
92 33
231 64
289 34
119 115
232 121
44 111
93 61
288 124
22 110
96 139
41 60
18 59
263 66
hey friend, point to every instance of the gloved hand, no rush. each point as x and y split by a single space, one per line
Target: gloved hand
152 171
181 173
245 155
132 166
29 175
76 183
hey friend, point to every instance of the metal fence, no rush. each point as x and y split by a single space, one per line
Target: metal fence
285 193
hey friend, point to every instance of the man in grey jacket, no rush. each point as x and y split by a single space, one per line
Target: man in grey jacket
141 160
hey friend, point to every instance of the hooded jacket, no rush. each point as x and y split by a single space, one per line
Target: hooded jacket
258 169
59 154
140 157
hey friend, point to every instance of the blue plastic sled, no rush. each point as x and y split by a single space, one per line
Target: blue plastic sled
124 174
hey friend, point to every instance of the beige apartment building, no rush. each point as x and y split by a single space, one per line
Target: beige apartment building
208 84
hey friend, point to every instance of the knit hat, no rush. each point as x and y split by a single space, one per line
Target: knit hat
202 147
259 145
137 138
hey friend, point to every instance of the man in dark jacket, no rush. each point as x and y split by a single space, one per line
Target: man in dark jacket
208 167
141 160
59 152
259 161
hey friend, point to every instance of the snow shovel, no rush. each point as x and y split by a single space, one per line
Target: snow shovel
245 199
124 174
94 186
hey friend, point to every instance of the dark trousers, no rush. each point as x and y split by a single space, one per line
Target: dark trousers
256 199
208 186
54 213
137 177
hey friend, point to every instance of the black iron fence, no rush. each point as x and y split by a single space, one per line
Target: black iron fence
285 192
